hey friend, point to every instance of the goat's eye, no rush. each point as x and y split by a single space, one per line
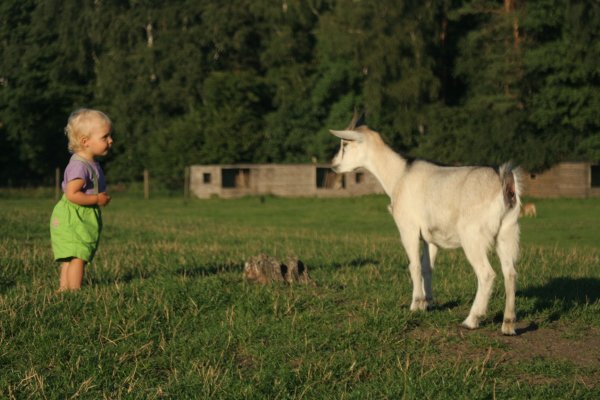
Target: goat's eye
343 146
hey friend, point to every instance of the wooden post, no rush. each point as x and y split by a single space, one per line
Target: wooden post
56 184
146 184
186 183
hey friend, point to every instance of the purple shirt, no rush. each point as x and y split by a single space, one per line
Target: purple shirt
77 169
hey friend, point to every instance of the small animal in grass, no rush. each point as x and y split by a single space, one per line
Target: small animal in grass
265 269
528 210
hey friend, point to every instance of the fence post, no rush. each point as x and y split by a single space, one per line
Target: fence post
56 184
186 183
146 184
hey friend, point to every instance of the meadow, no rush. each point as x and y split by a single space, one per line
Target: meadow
165 311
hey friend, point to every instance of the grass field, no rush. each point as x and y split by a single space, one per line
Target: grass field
165 312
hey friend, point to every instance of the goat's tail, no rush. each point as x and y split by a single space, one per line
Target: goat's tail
511 184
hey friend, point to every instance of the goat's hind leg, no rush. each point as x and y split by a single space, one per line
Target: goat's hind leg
507 247
485 278
427 263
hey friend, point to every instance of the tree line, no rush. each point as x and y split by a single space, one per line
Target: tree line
204 81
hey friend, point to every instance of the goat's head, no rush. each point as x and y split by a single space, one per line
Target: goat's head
353 150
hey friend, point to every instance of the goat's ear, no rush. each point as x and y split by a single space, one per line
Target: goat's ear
358 119
348 135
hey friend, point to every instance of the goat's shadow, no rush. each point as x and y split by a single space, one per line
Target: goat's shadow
448 305
560 296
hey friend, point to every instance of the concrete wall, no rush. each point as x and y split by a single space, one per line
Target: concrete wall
285 180
568 179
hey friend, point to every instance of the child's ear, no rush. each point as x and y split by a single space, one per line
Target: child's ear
83 141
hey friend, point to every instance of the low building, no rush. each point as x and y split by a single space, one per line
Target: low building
567 179
285 180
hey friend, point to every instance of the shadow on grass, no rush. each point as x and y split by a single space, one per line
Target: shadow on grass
206 270
122 278
561 295
357 262
6 284
449 305
532 327
137 274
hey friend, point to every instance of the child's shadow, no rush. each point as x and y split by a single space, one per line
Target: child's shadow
207 270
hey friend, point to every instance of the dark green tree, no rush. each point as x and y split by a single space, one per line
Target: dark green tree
562 81
480 123
287 58
192 82
380 56
43 75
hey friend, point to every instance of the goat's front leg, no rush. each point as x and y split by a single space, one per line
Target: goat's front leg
411 245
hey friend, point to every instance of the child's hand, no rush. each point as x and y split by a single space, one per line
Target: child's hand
103 199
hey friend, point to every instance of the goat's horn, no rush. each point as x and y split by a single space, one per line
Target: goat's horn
348 135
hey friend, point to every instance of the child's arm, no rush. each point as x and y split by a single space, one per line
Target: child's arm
74 194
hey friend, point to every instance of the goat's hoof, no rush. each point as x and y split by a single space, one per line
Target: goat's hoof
470 323
419 305
508 327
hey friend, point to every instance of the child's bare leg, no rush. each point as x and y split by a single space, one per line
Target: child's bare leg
75 273
63 283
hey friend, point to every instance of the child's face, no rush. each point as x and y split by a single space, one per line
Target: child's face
100 141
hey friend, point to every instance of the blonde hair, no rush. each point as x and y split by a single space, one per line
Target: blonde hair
79 126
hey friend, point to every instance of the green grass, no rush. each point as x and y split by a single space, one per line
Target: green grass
165 313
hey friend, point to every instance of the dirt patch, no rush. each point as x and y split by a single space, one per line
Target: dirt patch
488 347
555 344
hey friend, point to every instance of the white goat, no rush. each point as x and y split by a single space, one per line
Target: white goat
449 207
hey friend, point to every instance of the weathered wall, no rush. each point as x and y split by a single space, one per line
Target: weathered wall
317 180
569 179
285 180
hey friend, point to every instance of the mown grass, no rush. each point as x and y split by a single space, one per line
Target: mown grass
165 312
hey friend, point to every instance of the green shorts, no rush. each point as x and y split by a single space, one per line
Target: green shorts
75 231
